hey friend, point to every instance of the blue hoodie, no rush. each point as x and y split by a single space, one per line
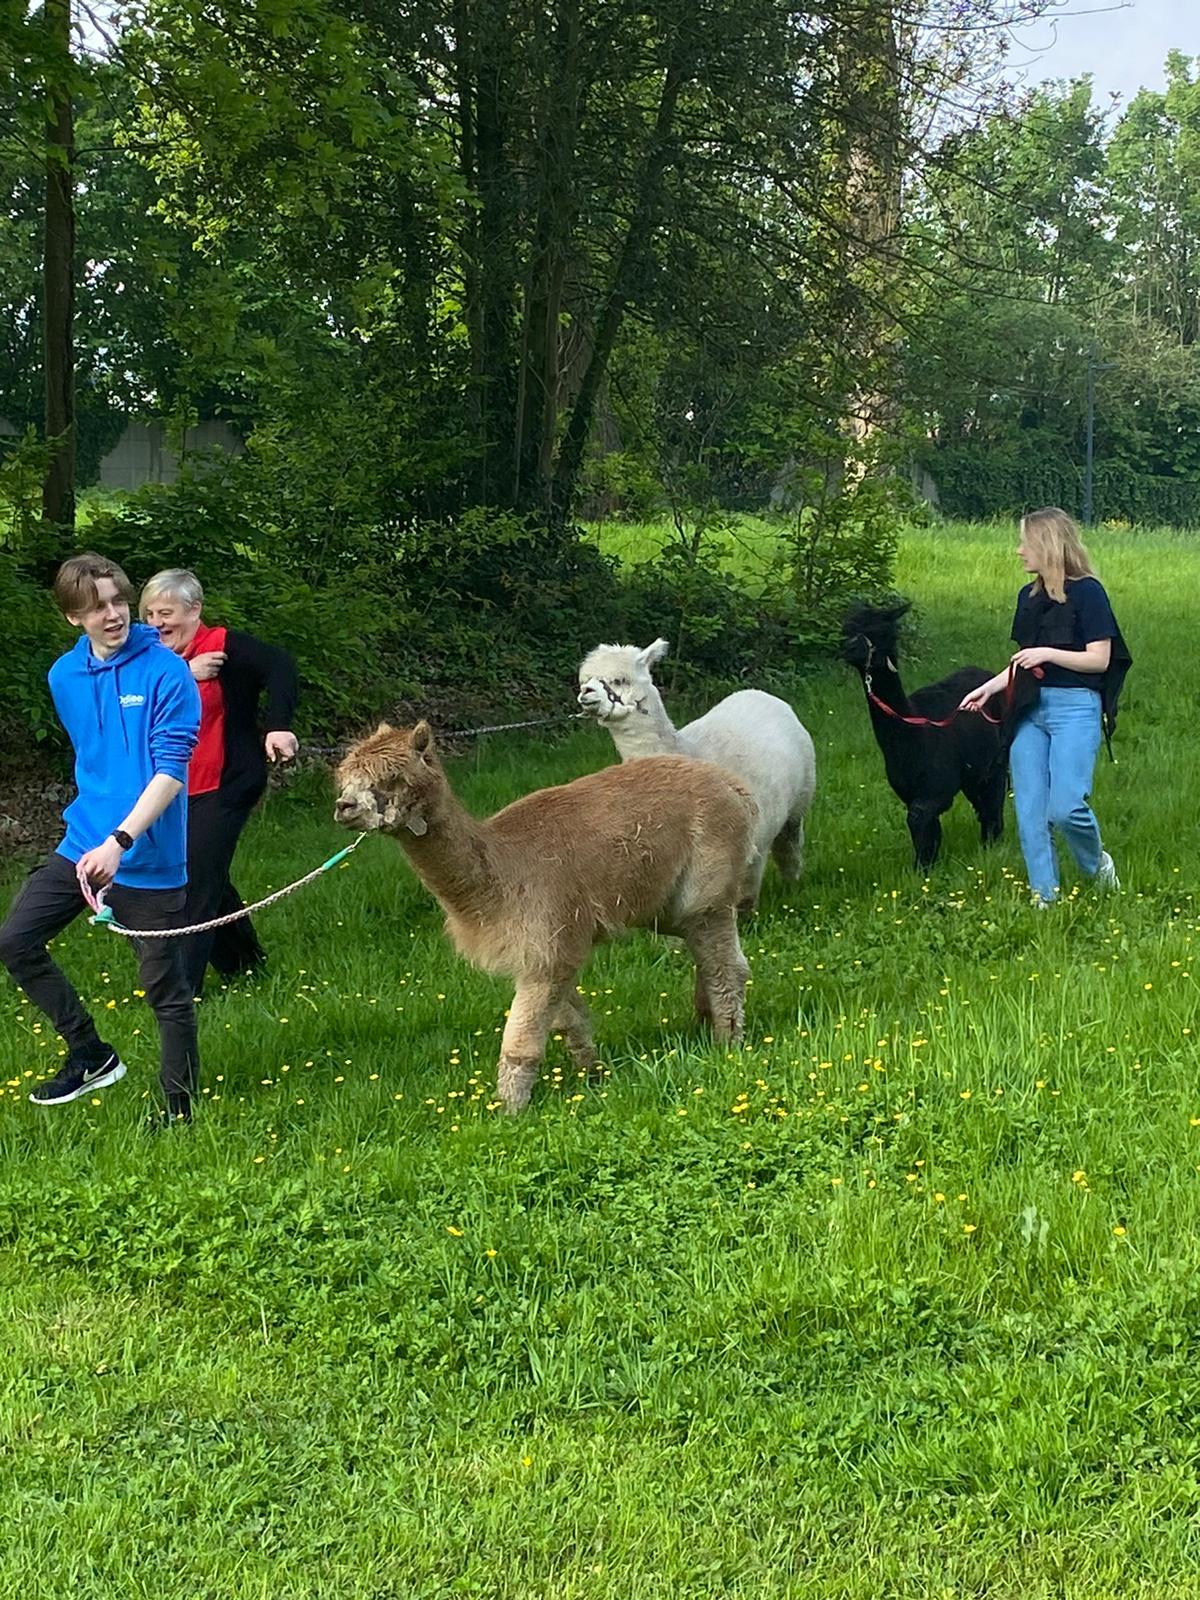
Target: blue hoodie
129 718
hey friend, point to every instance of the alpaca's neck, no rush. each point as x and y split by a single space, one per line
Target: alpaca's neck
451 857
648 732
886 686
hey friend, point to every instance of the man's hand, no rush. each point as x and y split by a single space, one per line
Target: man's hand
207 664
98 867
281 746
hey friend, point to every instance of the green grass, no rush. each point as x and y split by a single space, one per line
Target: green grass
900 1300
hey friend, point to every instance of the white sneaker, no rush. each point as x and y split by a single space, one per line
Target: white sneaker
1041 905
1106 873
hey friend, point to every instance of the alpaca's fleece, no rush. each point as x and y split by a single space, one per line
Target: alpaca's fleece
529 891
926 764
753 735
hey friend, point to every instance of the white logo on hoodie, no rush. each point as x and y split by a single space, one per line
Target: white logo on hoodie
132 700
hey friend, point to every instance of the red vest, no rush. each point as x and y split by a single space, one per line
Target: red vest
208 758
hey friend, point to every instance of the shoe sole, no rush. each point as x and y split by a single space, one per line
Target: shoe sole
105 1081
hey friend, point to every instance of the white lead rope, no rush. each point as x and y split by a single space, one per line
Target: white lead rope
103 915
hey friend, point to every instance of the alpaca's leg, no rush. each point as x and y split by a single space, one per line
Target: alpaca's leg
703 1004
574 1021
788 849
752 884
926 830
721 970
524 1041
987 792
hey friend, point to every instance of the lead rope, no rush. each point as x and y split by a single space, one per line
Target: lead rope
941 722
103 915
463 733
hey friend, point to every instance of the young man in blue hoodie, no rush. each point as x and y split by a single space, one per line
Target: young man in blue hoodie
132 712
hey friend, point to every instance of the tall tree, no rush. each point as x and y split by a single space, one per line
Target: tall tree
1154 167
58 267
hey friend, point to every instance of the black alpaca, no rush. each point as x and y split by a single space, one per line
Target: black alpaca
927 766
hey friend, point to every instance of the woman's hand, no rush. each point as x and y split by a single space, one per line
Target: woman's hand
207 664
1034 656
281 746
978 698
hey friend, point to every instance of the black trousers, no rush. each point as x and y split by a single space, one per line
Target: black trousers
49 901
215 823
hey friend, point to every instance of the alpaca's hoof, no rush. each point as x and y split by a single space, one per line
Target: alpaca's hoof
727 1030
514 1084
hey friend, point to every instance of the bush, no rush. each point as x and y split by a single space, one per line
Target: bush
710 619
490 612
979 483
843 546
25 708
26 713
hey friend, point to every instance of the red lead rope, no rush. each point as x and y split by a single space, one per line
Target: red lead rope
944 722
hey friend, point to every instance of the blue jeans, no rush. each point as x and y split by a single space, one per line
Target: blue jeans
1052 759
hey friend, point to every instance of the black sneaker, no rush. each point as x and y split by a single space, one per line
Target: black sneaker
79 1077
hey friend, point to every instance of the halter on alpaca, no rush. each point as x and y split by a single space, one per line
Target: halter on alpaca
1010 697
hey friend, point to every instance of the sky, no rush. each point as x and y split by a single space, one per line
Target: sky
1122 46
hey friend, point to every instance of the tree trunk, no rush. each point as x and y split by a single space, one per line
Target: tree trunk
498 278
538 393
630 263
58 275
868 64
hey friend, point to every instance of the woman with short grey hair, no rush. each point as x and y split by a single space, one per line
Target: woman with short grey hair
228 770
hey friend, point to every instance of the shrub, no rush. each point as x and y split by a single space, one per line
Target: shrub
712 622
25 708
843 545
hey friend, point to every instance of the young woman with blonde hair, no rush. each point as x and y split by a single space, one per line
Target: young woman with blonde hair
1066 633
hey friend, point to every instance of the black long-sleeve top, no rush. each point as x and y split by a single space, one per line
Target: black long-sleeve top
250 670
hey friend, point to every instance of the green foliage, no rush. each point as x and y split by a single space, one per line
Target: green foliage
487 605
1047 245
842 541
264 577
717 626
978 483
37 635
22 468
497 598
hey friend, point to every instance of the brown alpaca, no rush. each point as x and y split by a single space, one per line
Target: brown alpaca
662 842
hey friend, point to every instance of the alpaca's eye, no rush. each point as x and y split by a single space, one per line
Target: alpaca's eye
620 683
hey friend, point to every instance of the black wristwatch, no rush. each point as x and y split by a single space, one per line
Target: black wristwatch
124 839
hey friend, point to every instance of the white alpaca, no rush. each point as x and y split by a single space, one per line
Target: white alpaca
755 736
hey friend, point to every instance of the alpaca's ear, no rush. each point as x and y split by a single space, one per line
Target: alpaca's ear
421 738
384 727
652 653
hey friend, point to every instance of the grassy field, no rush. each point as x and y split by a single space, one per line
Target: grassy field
900 1300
